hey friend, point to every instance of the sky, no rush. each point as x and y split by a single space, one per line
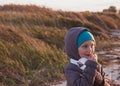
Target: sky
68 5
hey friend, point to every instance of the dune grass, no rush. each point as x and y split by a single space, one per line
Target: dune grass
32 42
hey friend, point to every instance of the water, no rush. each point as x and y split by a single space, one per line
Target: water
113 71
115 33
117 49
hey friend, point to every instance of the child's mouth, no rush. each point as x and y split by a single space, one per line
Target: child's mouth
88 55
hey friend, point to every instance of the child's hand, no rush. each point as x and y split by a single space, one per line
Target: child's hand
98 77
94 57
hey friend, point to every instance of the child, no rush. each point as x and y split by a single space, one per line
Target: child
83 69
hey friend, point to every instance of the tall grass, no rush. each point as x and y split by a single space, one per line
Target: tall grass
32 42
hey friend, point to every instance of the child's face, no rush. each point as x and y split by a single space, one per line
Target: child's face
87 49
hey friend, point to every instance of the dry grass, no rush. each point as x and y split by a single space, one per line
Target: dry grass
32 41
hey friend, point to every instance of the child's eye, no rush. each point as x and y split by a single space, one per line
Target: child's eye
85 46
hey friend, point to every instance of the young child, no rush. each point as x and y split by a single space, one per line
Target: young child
83 69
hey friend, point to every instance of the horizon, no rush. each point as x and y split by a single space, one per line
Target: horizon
74 5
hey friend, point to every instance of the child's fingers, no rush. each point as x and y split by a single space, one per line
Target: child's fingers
98 77
94 57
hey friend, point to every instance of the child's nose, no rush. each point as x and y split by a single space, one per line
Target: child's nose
90 49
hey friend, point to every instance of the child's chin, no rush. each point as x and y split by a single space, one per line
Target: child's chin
88 57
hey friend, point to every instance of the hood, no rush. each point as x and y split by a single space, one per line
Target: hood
70 40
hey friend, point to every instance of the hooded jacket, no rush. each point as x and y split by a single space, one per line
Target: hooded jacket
74 75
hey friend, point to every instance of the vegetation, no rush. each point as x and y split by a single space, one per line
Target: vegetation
32 41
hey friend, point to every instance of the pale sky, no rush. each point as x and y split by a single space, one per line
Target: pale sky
68 5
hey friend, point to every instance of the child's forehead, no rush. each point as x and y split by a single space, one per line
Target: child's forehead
89 42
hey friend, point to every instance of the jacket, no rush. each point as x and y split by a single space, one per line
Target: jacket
74 75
